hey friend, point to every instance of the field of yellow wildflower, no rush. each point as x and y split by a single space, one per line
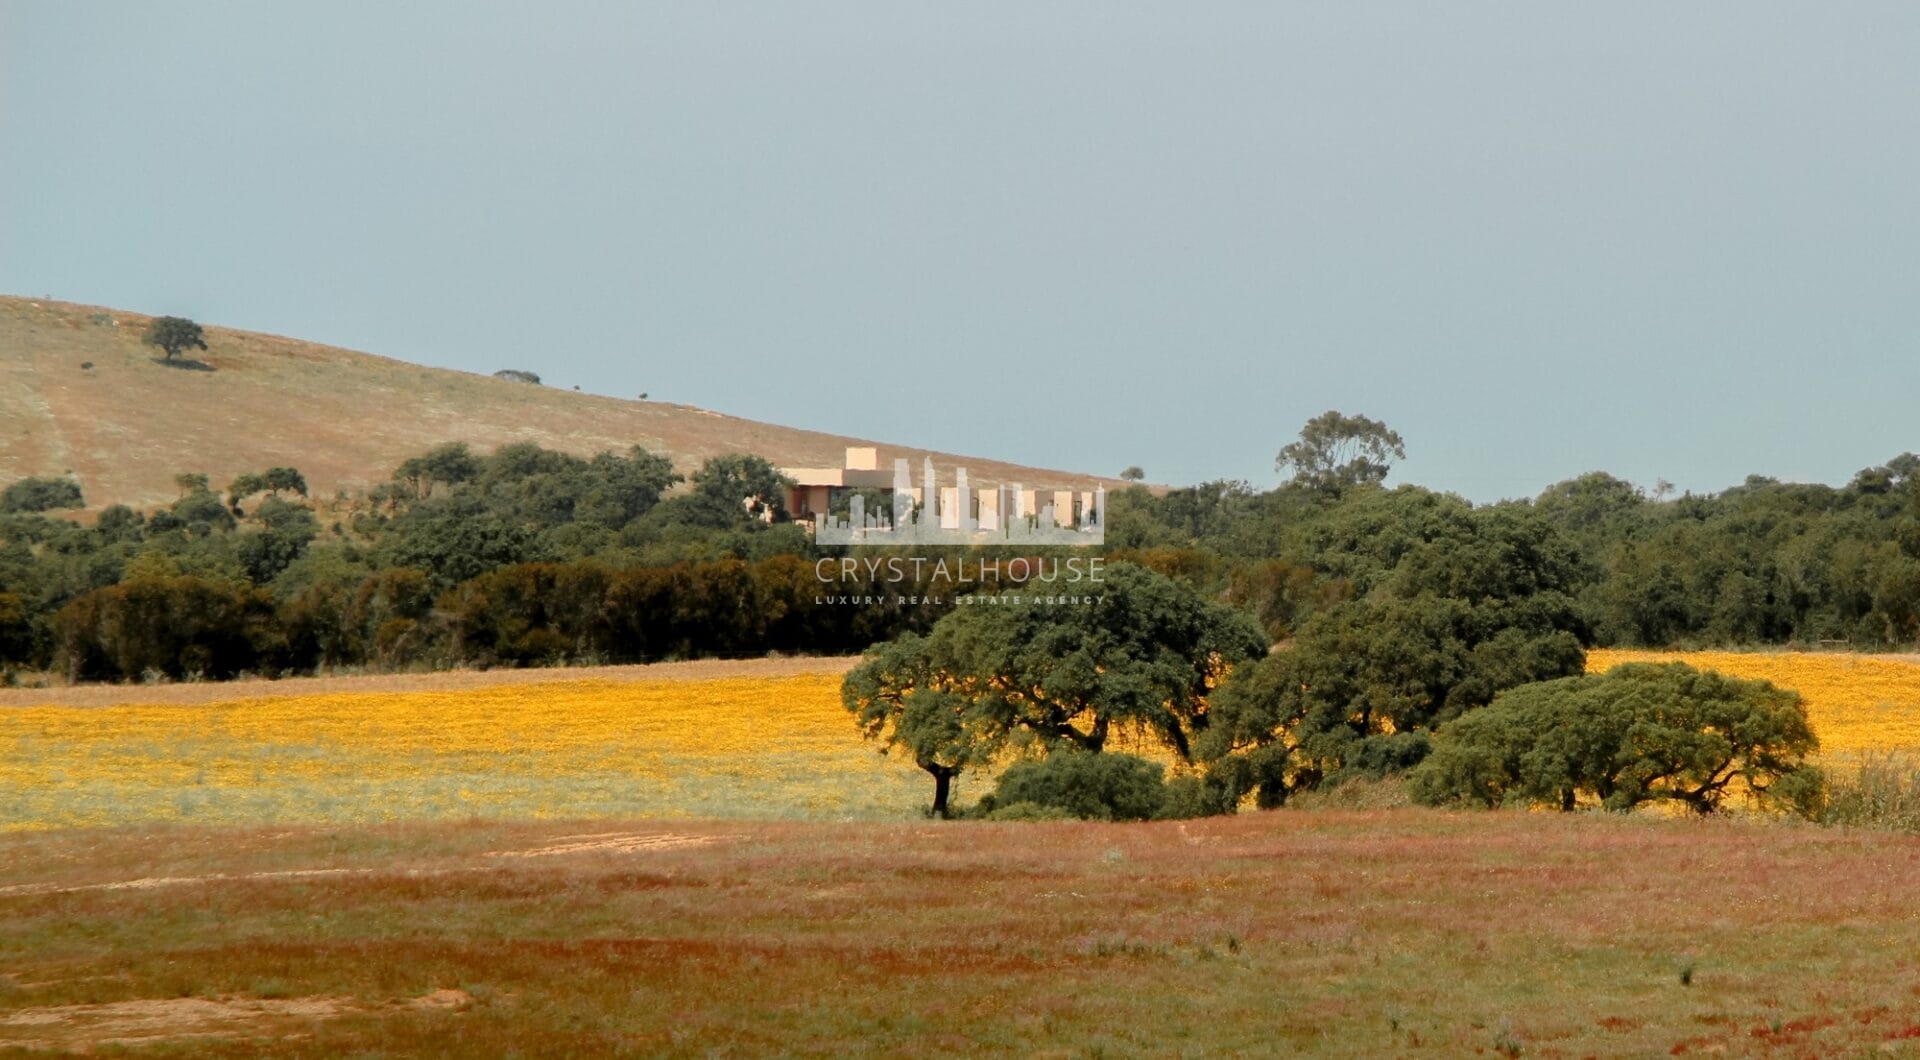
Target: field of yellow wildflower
1857 703
761 747
748 747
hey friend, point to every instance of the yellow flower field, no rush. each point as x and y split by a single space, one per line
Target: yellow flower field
1857 703
734 747
753 747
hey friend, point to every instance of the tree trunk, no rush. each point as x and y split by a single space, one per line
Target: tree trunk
942 786
942 783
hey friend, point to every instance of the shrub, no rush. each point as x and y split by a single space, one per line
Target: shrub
1099 787
1028 811
1358 793
1192 796
40 495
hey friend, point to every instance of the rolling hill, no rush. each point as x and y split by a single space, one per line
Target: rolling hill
80 395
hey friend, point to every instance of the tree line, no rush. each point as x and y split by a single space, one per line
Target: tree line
1764 562
520 557
526 556
195 626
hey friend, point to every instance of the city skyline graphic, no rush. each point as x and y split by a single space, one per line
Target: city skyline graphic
960 515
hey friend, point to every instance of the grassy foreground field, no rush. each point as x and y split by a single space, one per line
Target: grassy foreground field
1404 932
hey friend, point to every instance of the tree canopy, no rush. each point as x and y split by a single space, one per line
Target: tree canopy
1145 657
897 696
1640 732
274 480
732 491
174 334
1459 603
40 495
1337 451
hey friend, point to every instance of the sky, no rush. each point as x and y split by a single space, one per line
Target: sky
1671 242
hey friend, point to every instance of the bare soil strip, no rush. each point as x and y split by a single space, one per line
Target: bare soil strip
611 842
592 843
149 882
82 1027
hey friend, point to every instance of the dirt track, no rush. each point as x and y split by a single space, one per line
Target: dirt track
448 681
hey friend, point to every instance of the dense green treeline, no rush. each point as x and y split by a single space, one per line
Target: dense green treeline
529 557
1765 562
521 557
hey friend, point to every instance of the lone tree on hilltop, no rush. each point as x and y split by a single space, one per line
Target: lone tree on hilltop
1337 451
174 334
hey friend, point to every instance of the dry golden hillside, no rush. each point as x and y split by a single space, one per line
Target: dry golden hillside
80 395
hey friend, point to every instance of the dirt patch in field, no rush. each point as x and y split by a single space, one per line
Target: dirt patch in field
444 999
449 681
626 842
609 842
147 883
82 1027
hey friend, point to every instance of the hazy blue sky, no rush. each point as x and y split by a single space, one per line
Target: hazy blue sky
1663 240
